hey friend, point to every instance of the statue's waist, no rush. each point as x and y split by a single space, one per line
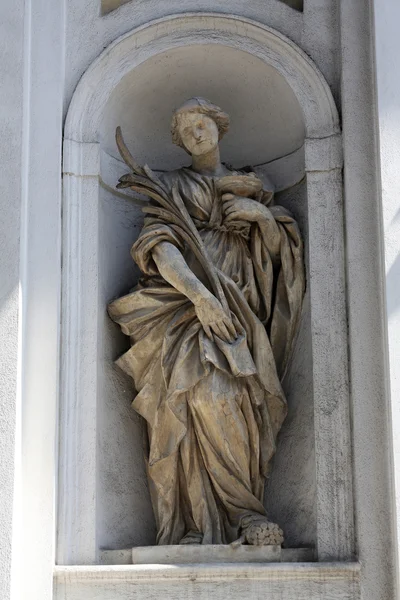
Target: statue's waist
240 228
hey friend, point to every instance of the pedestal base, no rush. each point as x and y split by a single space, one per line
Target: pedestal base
207 554
234 581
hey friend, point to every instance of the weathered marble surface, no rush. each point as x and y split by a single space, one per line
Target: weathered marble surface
215 554
212 325
323 581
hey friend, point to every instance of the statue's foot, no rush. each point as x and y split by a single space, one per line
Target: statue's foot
263 533
192 537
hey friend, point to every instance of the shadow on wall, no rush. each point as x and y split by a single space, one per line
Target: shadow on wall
109 5
296 4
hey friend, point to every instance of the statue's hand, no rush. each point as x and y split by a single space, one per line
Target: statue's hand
214 319
238 208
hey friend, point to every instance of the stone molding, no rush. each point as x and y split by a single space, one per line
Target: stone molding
304 581
81 160
206 572
108 6
324 154
132 49
323 160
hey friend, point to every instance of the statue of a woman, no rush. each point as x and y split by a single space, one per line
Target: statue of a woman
208 369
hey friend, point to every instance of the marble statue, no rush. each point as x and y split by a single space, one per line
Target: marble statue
211 323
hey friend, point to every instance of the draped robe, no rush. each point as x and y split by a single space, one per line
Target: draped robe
213 409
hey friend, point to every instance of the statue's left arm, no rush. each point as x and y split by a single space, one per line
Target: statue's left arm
237 208
277 255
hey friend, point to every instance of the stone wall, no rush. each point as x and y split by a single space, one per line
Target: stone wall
47 49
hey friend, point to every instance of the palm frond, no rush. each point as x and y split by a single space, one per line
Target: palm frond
172 211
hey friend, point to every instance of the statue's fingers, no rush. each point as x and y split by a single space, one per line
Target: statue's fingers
208 332
233 216
230 209
227 196
232 200
217 330
222 333
230 327
232 335
229 204
226 335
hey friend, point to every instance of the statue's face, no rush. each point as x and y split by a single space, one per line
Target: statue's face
198 132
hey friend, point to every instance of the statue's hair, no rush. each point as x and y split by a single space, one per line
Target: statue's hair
204 107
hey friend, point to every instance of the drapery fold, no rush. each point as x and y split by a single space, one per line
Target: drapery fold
213 408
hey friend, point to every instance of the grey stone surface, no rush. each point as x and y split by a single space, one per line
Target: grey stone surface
205 554
334 486
320 117
116 557
30 198
200 554
290 494
88 33
80 168
368 319
324 581
125 514
11 145
386 18
109 5
296 4
345 57
266 119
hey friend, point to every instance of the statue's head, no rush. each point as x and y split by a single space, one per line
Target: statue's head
198 125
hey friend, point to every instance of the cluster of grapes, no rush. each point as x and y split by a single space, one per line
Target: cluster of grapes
264 534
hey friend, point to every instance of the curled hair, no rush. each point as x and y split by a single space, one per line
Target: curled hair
203 107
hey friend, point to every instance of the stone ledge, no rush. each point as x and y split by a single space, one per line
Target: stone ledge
211 572
207 554
275 581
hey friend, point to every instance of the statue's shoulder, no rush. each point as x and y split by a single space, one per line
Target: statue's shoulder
170 177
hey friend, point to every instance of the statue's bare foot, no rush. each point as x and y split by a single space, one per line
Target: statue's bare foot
263 533
192 537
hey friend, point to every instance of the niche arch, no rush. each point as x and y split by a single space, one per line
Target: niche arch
77 540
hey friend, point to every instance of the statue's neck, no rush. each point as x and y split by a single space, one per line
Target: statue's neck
208 164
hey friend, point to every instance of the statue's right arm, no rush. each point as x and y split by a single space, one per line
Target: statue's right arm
174 269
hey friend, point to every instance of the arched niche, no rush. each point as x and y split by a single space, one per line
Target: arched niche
284 87
267 131
266 118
